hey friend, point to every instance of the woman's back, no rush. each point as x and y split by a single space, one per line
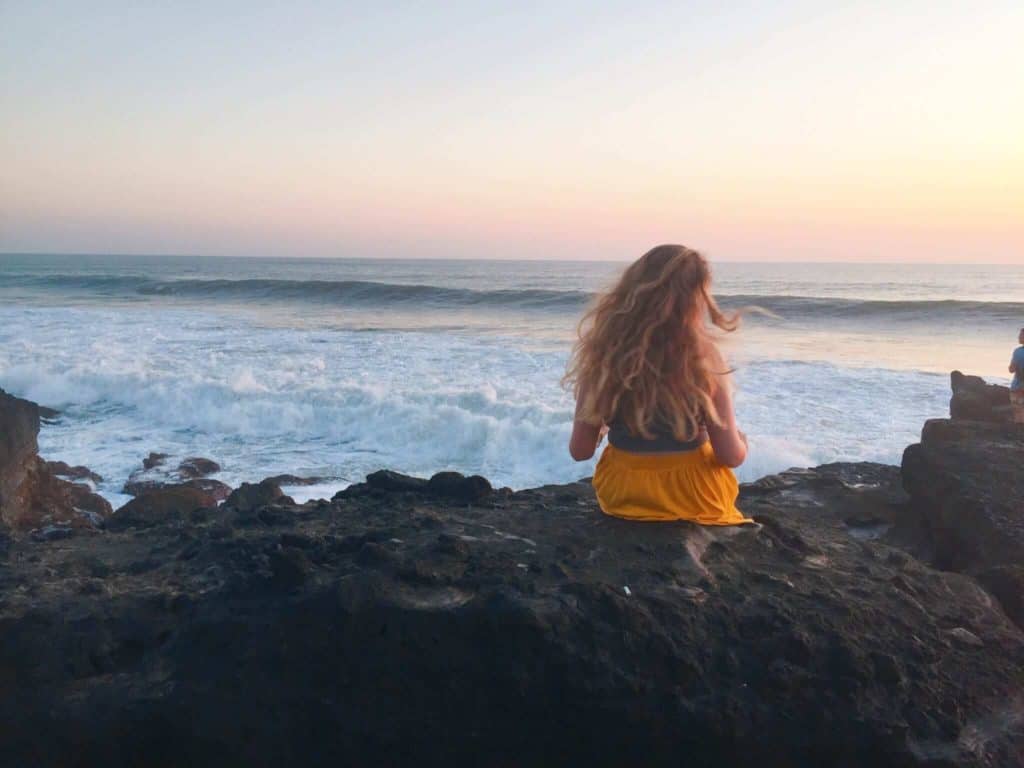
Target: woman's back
646 371
662 440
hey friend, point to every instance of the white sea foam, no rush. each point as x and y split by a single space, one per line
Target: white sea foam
338 405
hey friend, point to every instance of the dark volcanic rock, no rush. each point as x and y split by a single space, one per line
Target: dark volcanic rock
393 627
386 480
968 479
31 495
52 533
215 488
167 504
293 480
139 487
447 485
966 482
975 400
197 467
154 460
452 485
290 567
63 469
251 496
192 470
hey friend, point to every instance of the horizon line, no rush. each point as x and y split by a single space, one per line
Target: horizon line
627 260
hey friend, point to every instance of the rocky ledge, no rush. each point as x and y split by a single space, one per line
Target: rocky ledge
442 622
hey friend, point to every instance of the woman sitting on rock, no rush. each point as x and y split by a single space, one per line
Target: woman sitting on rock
647 372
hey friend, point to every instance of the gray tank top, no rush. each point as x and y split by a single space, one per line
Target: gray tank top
664 441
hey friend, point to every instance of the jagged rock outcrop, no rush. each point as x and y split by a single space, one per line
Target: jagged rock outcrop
19 451
31 495
966 483
191 471
976 400
252 496
398 625
446 485
163 505
65 471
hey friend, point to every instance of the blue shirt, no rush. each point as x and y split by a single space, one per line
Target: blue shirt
1018 360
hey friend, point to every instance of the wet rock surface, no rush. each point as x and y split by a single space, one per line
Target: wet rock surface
63 470
154 460
196 466
294 480
253 496
191 471
394 625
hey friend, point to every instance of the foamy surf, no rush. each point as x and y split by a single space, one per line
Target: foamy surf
264 401
259 376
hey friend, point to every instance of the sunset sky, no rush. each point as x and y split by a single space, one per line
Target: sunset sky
753 131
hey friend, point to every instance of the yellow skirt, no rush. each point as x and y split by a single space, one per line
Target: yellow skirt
691 486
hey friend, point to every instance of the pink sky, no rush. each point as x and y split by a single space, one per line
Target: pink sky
802 133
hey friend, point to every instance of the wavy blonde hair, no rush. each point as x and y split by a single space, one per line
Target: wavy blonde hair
645 354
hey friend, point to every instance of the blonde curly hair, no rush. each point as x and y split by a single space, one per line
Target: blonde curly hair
645 354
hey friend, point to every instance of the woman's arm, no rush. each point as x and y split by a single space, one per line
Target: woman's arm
729 443
585 436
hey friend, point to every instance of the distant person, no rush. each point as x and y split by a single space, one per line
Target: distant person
1017 385
647 372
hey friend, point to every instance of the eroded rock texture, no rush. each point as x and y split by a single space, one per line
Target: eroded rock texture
394 626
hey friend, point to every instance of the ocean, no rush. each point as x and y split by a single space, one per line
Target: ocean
334 368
